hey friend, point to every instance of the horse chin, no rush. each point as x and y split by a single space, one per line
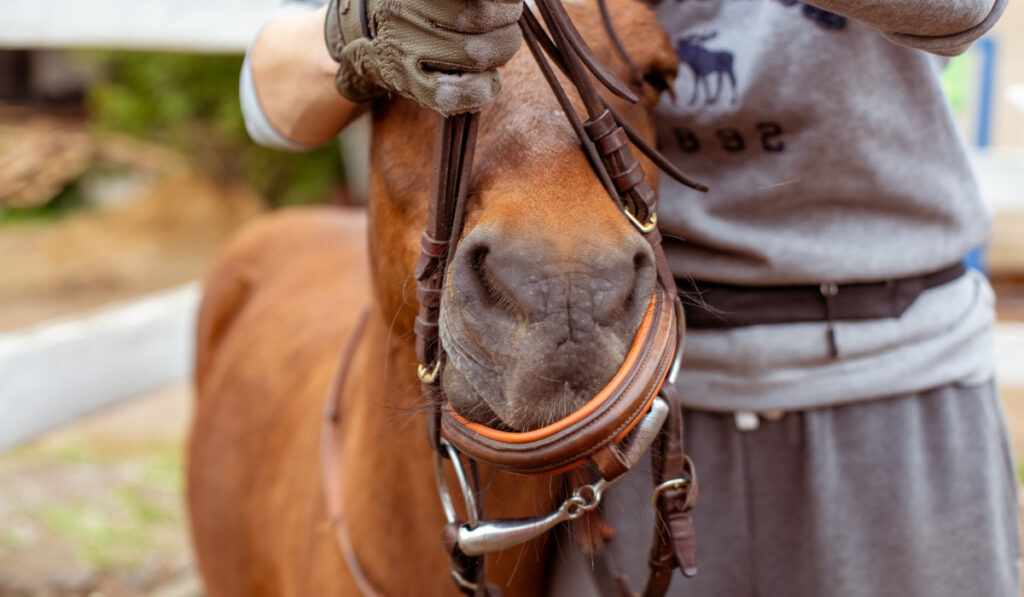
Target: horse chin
467 401
514 413
523 396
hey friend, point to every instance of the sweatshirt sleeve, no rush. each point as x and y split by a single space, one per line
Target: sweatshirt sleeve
944 27
256 122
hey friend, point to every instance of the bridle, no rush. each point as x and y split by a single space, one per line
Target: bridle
637 410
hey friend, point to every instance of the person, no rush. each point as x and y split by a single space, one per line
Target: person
839 370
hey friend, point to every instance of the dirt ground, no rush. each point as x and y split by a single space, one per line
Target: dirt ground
96 509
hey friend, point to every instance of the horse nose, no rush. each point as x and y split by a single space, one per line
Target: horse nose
579 287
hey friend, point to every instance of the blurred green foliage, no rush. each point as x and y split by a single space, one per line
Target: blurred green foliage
68 200
956 81
190 102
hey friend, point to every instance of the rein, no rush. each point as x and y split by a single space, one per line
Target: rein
636 411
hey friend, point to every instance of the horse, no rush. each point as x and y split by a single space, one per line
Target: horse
546 290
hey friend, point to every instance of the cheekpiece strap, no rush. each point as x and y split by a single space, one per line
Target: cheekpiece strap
675 494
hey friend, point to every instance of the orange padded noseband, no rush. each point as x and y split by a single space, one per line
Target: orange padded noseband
522 437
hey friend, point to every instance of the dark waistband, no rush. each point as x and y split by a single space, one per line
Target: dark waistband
726 306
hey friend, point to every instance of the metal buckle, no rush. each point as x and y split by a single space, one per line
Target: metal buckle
677 483
428 376
651 224
687 483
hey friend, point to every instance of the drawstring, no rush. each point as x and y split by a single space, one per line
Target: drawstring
829 290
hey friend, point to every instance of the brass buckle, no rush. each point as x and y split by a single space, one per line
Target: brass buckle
668 486
645 228
687 483
428 376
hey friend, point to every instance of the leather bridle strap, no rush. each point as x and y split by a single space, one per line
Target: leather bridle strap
621 423
453 159
454 148
607 141
675 494
332 465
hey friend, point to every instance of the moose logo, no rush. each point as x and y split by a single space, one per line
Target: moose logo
706 64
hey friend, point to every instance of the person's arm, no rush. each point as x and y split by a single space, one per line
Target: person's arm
287 86
443 54
945 27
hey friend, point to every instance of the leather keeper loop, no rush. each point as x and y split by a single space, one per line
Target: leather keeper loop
425 267
433 247
428 297
613 142
426 329
617 169
426 349
600 127
644 193
630 178
610 462
642 198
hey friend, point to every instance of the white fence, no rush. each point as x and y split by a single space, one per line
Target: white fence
193 25
55 373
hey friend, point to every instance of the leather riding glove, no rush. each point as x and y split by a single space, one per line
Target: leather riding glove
442 53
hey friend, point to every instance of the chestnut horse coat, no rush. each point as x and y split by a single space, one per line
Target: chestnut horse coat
285 294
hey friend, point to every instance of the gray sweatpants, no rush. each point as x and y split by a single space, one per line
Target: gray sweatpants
910 496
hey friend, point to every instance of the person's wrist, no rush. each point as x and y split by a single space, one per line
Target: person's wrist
293 77
319 56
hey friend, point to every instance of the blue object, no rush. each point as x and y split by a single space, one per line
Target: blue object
987 47
975 259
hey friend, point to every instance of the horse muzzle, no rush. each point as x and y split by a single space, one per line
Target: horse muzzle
593 431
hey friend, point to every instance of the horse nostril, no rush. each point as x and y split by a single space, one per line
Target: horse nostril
488 289
641 260
476 259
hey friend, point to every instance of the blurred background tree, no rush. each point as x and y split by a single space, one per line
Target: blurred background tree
190 102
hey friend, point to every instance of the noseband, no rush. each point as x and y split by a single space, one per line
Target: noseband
637 410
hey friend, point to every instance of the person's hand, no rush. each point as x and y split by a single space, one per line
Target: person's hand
442 53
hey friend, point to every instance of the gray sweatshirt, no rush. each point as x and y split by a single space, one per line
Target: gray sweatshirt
831 156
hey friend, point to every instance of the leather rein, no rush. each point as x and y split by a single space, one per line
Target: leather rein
637 410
